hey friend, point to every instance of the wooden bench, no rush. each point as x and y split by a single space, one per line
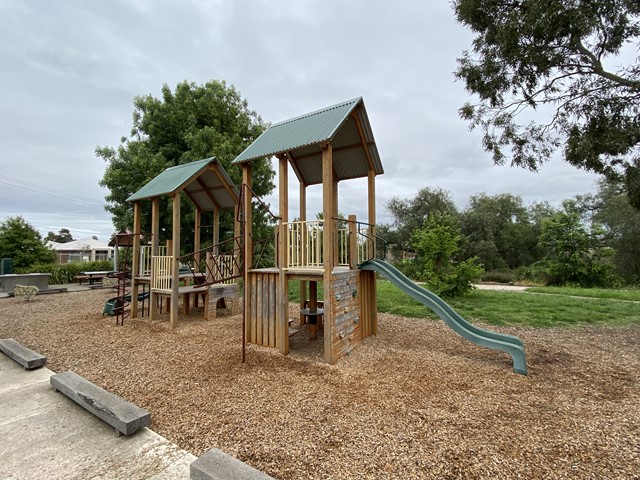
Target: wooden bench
124 416
21 354
81 278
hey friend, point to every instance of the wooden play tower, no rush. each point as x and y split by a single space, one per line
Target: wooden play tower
325 147
204 273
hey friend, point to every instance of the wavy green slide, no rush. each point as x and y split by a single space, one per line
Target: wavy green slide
485 338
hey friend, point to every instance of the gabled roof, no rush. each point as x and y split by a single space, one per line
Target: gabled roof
345 125
84 245
205 182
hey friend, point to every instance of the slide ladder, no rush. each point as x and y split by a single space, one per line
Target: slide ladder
485 338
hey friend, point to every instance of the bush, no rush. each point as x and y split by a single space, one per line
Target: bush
66 273
499 276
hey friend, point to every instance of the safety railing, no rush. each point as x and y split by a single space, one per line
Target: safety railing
145 258
305 238
161 272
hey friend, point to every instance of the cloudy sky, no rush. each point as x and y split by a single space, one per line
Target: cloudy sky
70 70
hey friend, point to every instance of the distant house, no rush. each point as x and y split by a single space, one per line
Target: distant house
85 250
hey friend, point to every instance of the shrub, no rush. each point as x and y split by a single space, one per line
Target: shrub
66 273
499 276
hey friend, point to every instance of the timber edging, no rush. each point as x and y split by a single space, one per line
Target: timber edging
124 416
217 465
21 354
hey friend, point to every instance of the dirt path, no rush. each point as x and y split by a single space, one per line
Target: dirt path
414 402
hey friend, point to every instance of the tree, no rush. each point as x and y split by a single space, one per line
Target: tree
63 236
557 56
23 243
610 208
499 230
436 245
192 123
411 215
576 253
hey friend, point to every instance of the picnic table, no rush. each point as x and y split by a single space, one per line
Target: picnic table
92 277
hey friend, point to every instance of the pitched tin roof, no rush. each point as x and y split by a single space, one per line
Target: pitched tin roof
205 182
345 125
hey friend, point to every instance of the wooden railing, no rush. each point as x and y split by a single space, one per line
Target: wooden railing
304 243
145 258
161 272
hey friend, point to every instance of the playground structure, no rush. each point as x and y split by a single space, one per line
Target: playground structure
324 147
209 272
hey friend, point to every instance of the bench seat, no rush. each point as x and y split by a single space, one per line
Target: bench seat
21 354
124 416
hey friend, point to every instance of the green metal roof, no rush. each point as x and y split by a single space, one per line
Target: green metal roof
205 182
345 125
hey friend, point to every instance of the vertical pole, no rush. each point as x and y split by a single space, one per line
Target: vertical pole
175 243
282 315
328 247
136 259
155 241
353 242
304 242
336 224
216 230
197 237
372 220
248 255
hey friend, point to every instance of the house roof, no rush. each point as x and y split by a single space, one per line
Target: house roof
205 182
345 125
84 245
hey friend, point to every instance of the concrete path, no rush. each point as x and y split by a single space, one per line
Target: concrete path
45 435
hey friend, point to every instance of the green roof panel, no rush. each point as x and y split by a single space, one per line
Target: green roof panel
310 129
205 182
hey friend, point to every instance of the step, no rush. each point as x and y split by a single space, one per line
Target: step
217 465
124 416
21 354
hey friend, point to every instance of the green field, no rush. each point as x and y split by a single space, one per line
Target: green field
538 307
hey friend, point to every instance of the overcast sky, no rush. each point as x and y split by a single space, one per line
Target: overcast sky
70 71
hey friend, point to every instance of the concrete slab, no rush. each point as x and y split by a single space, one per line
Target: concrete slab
44 435
26 357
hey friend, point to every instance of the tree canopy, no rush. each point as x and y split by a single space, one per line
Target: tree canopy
23 243
63 236
562 58
191 123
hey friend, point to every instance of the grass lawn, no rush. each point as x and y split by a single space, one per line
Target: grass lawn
564 308
632 294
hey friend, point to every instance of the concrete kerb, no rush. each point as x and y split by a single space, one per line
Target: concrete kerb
217 465
21 354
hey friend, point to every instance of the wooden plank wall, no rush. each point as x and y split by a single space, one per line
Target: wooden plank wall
369 303
345 313
260 317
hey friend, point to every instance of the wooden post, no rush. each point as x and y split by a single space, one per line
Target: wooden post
135 265
248 248
197 237
313 308
175 280
372 232
353 242
304 241
216 229
328 247
155 241
282 314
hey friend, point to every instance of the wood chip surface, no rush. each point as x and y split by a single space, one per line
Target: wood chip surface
417 401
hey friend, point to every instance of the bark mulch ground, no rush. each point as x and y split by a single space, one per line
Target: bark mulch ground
414 402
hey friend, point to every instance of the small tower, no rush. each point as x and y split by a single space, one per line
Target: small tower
325 147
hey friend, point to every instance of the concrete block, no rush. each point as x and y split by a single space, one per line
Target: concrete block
21 354
124 416
217 465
